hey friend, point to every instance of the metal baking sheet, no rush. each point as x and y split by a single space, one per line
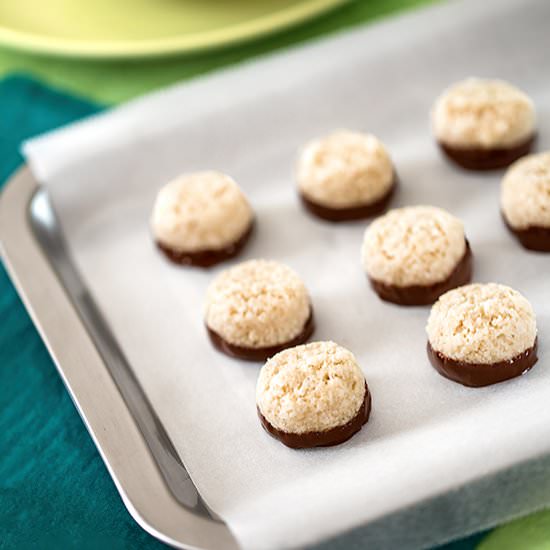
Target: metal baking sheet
33 252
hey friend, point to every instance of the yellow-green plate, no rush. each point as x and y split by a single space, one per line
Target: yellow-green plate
139 28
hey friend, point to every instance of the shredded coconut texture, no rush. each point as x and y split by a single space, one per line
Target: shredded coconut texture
482 323
200 211
416 245
257 304
344 170
525 192
310 388
480 113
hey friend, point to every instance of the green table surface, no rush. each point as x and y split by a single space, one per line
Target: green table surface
54 489
112 82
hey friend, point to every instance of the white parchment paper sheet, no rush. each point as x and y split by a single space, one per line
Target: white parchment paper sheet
426 434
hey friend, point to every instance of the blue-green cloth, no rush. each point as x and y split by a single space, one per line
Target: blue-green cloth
55 491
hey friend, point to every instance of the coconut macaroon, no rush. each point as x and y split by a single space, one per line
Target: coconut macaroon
345 176
484 124
201 219
312 395
413 255
481 334
525 201
256 309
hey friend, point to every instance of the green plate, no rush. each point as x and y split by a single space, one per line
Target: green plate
140 28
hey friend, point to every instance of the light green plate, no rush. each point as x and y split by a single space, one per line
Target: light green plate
139 28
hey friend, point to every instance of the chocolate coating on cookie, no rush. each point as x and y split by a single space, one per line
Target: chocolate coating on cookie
411 255
353 212
525 201
477 375
201 219
257 307
489 326
481 160
312 395
206 258
533 237
327 438
261 354
419 295
484 124
344 176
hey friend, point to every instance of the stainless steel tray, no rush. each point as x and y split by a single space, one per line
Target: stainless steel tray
145 467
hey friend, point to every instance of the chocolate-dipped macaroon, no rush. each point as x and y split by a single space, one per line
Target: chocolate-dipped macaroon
525 201
413 255
483 124
256 309
313 395
201 219
345 176
481 334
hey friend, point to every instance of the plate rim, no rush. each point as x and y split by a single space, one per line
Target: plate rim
192 42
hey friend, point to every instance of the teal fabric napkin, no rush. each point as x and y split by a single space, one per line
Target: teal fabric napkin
55 491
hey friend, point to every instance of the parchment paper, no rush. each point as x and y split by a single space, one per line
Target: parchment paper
426 434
